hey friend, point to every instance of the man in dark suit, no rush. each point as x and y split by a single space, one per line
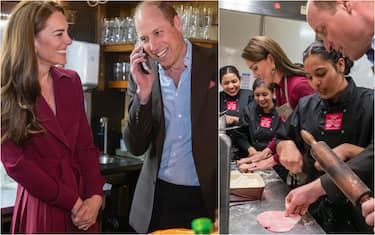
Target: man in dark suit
173 121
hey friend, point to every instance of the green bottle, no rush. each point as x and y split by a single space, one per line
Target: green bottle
202 225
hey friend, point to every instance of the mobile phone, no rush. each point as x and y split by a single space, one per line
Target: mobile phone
146 65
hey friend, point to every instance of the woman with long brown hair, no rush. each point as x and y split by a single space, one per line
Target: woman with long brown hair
46 141
267 60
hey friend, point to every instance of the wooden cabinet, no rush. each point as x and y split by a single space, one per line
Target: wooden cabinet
110 54
113 53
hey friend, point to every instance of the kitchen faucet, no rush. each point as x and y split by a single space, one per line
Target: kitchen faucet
104 123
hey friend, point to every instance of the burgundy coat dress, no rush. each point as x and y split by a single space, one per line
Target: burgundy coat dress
57 166
298 87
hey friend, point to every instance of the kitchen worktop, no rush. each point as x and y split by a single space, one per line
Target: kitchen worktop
126 165
122 165
242 215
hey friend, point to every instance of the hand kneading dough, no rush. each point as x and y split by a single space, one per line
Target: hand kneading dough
275 221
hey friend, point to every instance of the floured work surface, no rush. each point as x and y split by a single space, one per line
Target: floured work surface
243 215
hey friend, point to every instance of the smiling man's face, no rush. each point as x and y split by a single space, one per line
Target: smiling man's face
161 40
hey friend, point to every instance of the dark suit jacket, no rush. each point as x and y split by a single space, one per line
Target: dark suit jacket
55 167
145 133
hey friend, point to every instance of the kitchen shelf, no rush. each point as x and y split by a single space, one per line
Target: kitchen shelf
203 42
128 47
118 84
124 47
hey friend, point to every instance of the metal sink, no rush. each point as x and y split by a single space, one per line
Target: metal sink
106 159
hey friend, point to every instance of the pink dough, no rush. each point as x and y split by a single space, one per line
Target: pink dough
275 221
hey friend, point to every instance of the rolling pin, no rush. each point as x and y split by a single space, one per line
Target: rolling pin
344 177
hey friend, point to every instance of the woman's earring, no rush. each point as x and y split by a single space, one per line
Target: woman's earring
273 69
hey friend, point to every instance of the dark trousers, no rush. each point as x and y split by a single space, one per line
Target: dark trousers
175 206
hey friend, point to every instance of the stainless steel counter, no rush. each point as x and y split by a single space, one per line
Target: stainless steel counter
242 215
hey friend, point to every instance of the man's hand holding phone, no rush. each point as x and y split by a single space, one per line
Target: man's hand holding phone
142 74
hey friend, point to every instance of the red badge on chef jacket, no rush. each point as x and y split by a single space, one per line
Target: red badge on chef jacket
333 121
266 122
232 105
